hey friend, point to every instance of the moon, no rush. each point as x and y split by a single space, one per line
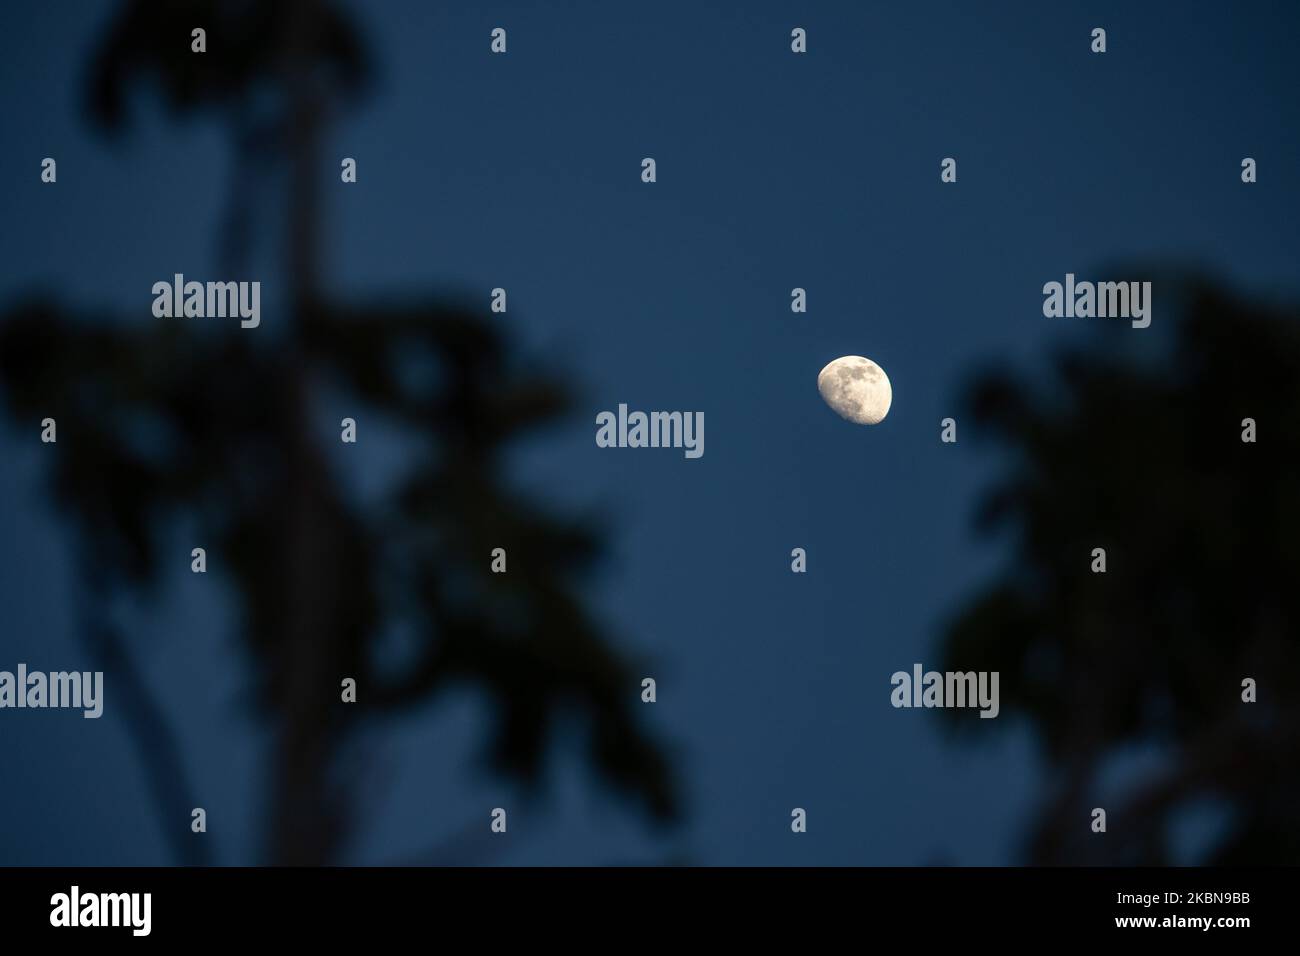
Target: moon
857 389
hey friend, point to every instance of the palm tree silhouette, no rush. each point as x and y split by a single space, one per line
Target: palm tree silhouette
160 419
1143 455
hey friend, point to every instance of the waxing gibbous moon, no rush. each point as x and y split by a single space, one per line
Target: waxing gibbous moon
857 389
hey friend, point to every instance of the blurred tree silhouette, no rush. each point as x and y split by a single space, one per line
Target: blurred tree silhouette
1143 456
162 419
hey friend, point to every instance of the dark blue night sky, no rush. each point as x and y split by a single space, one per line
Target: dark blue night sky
774 171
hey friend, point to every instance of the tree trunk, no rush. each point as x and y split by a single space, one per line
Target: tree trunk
307 808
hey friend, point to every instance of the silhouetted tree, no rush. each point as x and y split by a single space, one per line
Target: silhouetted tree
1134 444
159 419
